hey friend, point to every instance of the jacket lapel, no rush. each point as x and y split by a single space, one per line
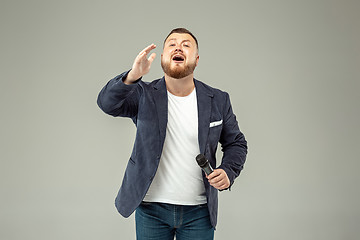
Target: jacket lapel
161 103
204 97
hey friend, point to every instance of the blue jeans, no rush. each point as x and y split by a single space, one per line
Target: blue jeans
162 221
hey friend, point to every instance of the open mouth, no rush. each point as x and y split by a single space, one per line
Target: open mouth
178 58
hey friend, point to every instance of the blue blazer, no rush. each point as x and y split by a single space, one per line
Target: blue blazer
146 104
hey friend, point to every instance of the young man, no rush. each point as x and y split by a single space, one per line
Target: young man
177 117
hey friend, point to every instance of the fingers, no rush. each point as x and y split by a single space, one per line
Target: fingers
152 57
217 178
148 49
142 55
214 174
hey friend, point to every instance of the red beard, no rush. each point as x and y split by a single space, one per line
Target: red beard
178 72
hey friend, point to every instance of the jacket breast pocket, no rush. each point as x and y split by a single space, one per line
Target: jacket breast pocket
215 131
216 123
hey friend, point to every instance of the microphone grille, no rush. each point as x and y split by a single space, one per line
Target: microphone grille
201 160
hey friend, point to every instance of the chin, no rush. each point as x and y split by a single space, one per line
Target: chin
178 72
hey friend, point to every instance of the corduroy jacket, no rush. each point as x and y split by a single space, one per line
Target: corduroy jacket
146 104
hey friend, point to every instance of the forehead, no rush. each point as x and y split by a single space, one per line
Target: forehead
180 37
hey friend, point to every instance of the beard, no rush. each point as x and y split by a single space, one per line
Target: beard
178 72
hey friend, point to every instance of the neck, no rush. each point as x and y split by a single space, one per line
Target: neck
180 87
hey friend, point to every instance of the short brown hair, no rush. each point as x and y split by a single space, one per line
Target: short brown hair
182 30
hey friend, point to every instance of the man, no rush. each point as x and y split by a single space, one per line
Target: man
177 117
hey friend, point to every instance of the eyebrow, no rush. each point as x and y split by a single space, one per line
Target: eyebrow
186 40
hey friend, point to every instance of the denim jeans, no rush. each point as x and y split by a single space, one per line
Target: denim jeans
162 221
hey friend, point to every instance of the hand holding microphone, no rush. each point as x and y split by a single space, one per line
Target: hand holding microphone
217 177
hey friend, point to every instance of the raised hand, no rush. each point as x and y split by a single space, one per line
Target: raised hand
141 65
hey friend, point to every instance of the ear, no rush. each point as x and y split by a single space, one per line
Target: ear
197 60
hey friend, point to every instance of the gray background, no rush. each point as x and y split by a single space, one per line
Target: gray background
290 67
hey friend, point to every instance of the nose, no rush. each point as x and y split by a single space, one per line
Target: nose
178 49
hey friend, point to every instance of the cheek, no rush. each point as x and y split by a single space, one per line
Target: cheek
193 59
165 56
192 55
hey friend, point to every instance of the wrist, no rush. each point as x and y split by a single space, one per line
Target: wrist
131 78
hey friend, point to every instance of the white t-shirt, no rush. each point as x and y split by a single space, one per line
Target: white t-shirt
178 179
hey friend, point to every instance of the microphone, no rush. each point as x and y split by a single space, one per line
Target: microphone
204 164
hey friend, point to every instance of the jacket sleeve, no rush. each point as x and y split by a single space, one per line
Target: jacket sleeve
119 99
233 144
